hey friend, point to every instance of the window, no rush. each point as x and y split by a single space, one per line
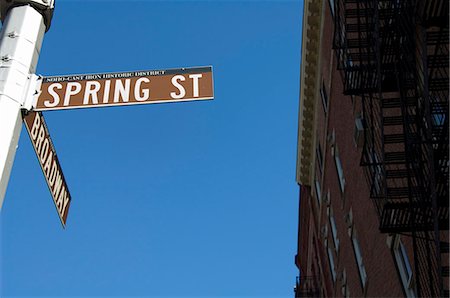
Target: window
348 218
350 73
319 157
330 253
331 261
359 259
340 170
404 266
376 173
358 135
344 286
331 2
332 222
324 96
438 118
318 191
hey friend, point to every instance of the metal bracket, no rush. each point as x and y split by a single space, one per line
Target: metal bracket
12 34
5 58
44 7
32 92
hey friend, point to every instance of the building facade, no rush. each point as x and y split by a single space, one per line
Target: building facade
373 149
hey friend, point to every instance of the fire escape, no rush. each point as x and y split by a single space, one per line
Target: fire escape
306 287
394 55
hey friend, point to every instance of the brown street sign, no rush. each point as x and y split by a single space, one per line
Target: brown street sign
125 88
45 151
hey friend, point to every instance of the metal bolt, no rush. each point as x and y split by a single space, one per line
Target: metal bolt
12 34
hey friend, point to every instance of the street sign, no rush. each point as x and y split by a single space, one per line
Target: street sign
124 88
45 151
23 95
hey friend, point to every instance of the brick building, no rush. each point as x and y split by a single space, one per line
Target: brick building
373 149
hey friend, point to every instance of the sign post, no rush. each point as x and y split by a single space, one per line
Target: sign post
21 37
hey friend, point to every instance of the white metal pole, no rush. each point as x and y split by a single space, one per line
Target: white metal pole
20 44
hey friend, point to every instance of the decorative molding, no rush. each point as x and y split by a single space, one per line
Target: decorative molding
309 90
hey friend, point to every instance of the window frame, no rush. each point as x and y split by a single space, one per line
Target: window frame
333 227
406 276
324 97
345 290
319 154
318 190
339 169
359 259
332 8
332 264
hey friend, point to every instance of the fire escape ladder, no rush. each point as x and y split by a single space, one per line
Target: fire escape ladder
353 45
426 265
395 56
444 250
434 32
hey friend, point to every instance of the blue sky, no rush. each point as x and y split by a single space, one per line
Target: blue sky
194 199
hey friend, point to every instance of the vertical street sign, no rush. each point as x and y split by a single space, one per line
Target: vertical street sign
124 88
46 154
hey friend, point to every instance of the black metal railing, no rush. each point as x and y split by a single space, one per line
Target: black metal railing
306 287
394 55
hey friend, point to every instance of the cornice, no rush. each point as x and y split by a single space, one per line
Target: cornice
309 78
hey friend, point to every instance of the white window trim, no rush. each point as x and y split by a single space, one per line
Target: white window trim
331 261
334 232
324 97
319 157
358 133
404 265
359 259
344 286
331 2
339 169
318 191
333 226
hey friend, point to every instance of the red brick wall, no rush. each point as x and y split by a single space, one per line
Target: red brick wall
382 276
